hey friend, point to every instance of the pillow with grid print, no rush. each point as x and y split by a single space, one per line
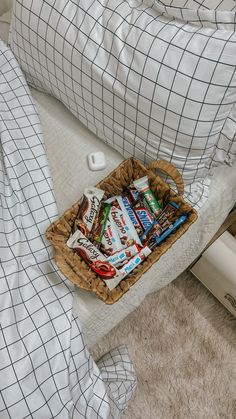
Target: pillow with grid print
147 82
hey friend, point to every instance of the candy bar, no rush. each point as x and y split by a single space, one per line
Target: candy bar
110 240
167 212
100 223
95 259
88 210
120 218
154 230
127 204
169 230
119 258
143 188
135 261
146 219
134 193
164 219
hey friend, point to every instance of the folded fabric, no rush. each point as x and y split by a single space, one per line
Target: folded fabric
46 369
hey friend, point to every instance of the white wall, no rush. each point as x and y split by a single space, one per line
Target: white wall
5 5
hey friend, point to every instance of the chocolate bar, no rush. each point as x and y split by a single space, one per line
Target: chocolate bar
111 242
122 221
143 188
121 257
95 259
88 210
135 261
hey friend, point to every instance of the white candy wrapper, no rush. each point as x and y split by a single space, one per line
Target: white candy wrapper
111 243
120 217
119 258
95 259
135 261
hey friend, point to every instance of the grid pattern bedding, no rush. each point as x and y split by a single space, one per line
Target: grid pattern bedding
68 142
151 79
46 369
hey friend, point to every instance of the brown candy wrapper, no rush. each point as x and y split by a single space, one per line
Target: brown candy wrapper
88 211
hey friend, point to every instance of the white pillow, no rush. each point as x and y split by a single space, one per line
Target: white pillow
154 82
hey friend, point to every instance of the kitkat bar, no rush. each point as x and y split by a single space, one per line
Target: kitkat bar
88 210
95 259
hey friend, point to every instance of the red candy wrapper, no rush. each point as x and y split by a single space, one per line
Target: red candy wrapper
89 208
95 259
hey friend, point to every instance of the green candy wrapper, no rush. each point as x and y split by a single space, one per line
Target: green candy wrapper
143 188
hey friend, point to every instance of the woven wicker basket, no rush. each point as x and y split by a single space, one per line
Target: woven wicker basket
71 264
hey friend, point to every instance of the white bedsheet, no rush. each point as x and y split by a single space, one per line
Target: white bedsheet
45 367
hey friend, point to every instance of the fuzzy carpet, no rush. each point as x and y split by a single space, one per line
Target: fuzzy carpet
183 345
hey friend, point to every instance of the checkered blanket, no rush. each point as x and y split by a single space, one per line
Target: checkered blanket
46 371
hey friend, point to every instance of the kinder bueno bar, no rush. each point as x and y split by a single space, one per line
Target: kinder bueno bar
95 259
89 208
135 261
126 201
143 188
110 240
119 258
121 219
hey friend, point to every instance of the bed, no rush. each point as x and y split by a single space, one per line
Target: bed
67 143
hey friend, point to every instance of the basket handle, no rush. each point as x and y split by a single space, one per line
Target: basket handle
170 170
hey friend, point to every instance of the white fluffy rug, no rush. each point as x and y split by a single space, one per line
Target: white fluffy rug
183 345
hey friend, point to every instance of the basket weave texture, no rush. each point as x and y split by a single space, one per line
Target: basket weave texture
75 268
